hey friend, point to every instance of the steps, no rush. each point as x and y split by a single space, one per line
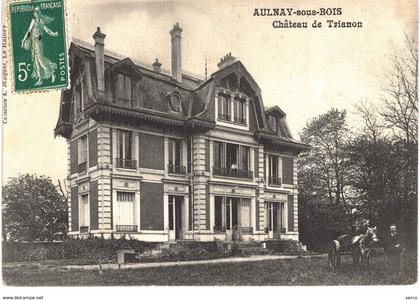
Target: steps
251 248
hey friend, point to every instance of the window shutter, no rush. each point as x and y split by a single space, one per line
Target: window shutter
290 213
257 215
93 148
287 170
151 206
93 204
207 156
171 152
256 170
73 156
74 208
151 154
207 207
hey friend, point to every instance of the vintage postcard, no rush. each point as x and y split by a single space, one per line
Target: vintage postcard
210 143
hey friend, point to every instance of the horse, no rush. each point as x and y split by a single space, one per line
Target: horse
359 246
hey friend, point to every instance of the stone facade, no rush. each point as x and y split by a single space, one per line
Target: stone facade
161 157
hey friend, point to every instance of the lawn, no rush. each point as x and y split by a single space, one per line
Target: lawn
299 271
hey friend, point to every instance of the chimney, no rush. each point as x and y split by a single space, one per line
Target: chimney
176 65
99 38
227 60
156 66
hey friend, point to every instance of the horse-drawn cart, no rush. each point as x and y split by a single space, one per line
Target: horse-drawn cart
360 247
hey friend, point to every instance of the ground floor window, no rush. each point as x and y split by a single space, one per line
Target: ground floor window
274 217
125 212
84 213
232 213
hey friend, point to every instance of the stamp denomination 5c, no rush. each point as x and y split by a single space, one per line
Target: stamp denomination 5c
38 42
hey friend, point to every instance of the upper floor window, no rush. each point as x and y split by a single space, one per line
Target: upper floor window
124 91
223 107
124 150
239 111
232 109
231 160
273 170
272 123
82 154
175 164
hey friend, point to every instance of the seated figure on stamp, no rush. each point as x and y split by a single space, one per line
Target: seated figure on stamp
42 67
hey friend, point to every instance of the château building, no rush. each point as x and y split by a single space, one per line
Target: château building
159 157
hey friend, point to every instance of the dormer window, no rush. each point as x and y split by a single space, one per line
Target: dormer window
124 92
232 109
223 112
239 111
272 123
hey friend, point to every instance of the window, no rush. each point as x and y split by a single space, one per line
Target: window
223 107
218 214
125 212
273 170
244 158
218 154
274 217
240 111
232 213
231 160
124 150
232 156
245 213
84 213
124 88
272 123
82 154
175 157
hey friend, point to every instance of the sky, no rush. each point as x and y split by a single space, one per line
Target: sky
303 71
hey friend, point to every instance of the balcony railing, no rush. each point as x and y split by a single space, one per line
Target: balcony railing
224 117
247 230
81 167
229 172
126 228
126 163
219 229
274 180
84 229
175 169
240 120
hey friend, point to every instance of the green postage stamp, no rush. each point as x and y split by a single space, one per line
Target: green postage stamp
38 42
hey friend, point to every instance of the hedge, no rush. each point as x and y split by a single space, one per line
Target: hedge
94 249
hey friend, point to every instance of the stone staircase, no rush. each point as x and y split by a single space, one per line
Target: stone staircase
251 248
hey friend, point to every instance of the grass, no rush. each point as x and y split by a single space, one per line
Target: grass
300 271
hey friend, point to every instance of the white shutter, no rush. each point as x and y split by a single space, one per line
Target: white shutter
245 212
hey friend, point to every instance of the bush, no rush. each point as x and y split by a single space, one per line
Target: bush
93 249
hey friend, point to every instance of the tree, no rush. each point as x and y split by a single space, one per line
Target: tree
401 115
325 208
33 209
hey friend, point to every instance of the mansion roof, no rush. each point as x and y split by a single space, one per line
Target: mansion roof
153 90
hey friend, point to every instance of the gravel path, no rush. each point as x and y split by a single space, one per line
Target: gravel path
183 263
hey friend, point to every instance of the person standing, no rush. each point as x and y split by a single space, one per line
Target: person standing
394 248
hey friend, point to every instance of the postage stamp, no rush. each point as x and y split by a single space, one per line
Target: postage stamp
38 42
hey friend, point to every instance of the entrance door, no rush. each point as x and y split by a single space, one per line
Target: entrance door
175 213
274 219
